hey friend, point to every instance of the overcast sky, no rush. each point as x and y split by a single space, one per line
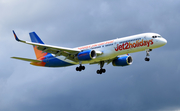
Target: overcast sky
142 86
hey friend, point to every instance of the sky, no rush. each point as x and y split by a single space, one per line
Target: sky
142 86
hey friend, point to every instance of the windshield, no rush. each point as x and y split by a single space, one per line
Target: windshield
156 36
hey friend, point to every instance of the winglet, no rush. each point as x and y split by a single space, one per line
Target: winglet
17 37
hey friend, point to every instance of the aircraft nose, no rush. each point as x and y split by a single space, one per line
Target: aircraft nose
164 41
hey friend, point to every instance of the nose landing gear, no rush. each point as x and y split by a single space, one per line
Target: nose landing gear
147 59
147 54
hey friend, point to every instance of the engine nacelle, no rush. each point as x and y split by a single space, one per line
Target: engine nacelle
122 61
86 55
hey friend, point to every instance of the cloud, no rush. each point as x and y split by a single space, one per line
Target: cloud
140 86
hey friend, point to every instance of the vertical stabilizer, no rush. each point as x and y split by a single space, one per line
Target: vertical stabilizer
34 38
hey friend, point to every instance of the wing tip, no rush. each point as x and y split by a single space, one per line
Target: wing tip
16 36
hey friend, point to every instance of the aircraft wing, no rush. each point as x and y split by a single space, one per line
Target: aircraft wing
53 49
50 49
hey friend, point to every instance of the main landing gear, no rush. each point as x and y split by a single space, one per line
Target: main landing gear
101 68
80 68
147 54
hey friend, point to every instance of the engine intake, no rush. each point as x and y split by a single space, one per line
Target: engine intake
87 55
122 61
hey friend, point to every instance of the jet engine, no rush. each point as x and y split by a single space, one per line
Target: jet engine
122 61
86 55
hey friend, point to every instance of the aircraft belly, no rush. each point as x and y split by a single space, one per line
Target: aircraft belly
58 62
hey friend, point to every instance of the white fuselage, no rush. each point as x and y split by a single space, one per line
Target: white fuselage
121 46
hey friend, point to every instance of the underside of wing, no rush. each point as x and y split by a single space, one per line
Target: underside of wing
105 61
69 53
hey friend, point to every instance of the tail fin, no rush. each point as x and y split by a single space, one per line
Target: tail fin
36 39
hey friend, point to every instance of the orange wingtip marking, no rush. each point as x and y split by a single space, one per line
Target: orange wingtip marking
15 36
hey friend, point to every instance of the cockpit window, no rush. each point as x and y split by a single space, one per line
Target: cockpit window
156 36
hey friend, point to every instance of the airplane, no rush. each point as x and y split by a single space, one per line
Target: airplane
114 51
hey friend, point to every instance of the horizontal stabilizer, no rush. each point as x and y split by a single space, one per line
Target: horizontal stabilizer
26 59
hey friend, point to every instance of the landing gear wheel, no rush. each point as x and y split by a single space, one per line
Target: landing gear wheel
99 72
80 68
77 68
147 59
83 67
101 68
